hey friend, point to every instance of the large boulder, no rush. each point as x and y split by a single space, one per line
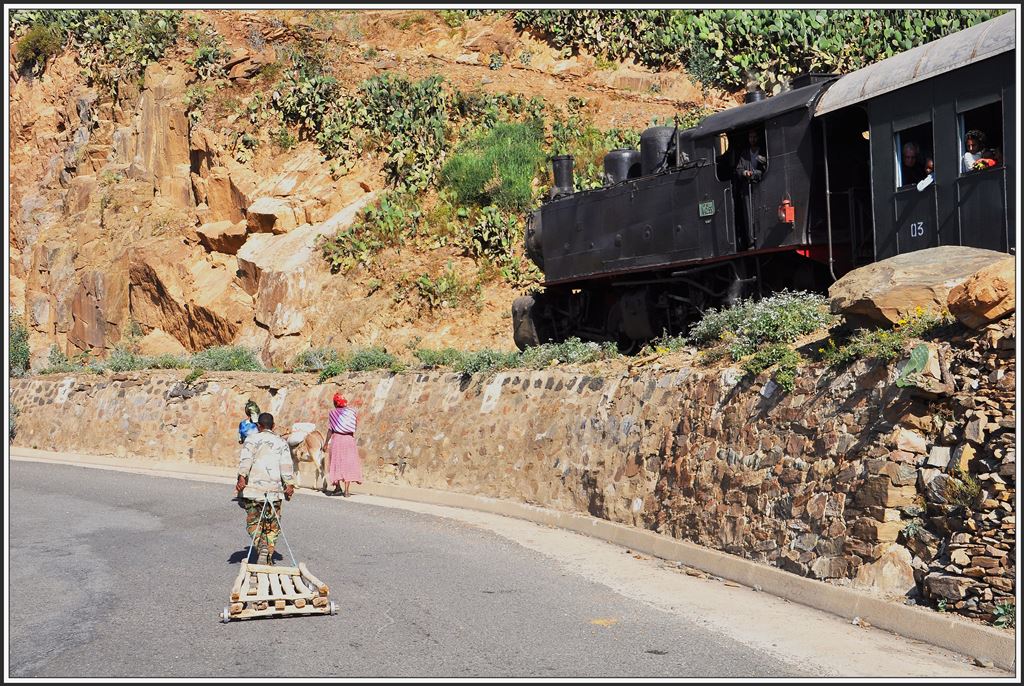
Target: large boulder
80 191
271 215
98 307
186 293
287 278
223 236
892 573
987 295
280 274
890 290
227 192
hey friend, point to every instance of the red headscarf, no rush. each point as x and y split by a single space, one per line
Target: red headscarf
339 400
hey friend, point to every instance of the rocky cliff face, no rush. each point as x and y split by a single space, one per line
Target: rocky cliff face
137 215
136 212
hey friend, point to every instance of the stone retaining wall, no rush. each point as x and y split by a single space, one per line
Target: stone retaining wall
849 478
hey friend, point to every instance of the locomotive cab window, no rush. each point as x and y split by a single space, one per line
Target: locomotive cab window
723 157
741 155
981 138
913 154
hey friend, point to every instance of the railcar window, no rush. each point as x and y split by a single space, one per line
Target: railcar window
913 152
981 138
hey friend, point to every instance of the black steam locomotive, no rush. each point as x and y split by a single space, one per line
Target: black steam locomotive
676 229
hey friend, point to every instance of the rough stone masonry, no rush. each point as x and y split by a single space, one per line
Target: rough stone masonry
850 478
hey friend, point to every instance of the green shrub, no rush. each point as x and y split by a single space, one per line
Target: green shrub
37 47
332 370
963 489
306 100
728 46
884 344
703 66
112 46
283 138
496 167
12 423
123 360
56 357
435 359
57 362
361 360
314 359
389 222
570 351
1005 615
18 354
485 361
780 318
192 376
446 290
780 354
406 121
167 361
211 52
453 18
228 358
367 359
477 109
494 235
664 344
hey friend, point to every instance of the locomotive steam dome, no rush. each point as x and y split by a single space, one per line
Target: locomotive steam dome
654 147
621 164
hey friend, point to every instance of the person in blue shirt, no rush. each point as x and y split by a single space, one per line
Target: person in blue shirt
248 425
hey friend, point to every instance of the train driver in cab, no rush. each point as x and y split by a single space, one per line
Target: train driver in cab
752 163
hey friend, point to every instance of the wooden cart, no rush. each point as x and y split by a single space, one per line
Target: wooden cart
277 591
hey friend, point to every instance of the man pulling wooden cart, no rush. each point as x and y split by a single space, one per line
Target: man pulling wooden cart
265 479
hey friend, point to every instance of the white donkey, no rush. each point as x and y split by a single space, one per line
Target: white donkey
307 445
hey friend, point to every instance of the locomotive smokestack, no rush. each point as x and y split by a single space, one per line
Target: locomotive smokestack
754 92
753 96
562 167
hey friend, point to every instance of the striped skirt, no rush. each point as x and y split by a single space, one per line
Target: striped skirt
345 462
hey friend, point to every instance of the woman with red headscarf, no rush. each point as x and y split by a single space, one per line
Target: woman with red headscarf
344 465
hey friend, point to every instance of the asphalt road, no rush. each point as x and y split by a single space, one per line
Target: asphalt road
124 575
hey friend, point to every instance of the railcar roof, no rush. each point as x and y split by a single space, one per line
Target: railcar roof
972 44
753 113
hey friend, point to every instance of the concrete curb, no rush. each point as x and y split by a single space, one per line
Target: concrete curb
985 644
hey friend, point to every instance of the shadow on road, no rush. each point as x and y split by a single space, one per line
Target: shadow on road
239 555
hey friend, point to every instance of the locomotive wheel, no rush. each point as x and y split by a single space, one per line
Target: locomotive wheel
627 346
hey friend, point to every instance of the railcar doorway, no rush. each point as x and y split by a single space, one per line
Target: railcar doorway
848 188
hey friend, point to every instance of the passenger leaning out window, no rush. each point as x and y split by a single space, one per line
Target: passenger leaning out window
978 155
